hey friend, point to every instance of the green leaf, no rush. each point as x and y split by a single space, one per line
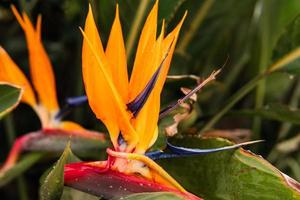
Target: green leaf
152 196
55 140
25 163
285 12
10 96
274 111
168 9
53 185
235 174
73 194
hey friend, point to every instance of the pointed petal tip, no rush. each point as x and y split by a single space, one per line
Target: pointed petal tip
117 16
80 28
183 18
17 15
90 12
155 8
163 27
117 8
90 7
13 8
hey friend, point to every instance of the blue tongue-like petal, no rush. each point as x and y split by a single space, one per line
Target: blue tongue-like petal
76 101
176 151
70 102
137 104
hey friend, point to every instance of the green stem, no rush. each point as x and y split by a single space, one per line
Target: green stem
9 128
263 64
233 100
135 27
22 188
285 127
197 21
259 101
11 135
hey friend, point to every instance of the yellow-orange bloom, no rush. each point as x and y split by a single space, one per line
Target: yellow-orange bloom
106 80
129 108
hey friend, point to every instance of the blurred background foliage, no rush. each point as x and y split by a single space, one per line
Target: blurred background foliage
245 37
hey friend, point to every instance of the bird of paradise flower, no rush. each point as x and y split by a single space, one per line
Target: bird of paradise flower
46 105
130 109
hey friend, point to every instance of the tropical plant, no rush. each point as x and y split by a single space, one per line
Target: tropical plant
233 81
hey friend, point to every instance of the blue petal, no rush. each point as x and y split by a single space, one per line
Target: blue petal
137 104
76 101
176 151
155 155
70 102
191 151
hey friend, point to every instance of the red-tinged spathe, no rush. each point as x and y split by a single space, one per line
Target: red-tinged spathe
108 183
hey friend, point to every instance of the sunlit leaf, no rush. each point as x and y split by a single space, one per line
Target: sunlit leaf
53 185
233 174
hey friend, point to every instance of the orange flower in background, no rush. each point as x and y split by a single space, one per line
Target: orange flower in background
45 104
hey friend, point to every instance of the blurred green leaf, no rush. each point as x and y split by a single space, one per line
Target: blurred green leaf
55 140
235 174
274 111
53 185
10 96
24 164
272 29
168 9
152 196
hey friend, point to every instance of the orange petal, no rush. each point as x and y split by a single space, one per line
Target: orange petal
116 57
40 66
70 126
146 121
171 39
10 72
143 70
102 94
